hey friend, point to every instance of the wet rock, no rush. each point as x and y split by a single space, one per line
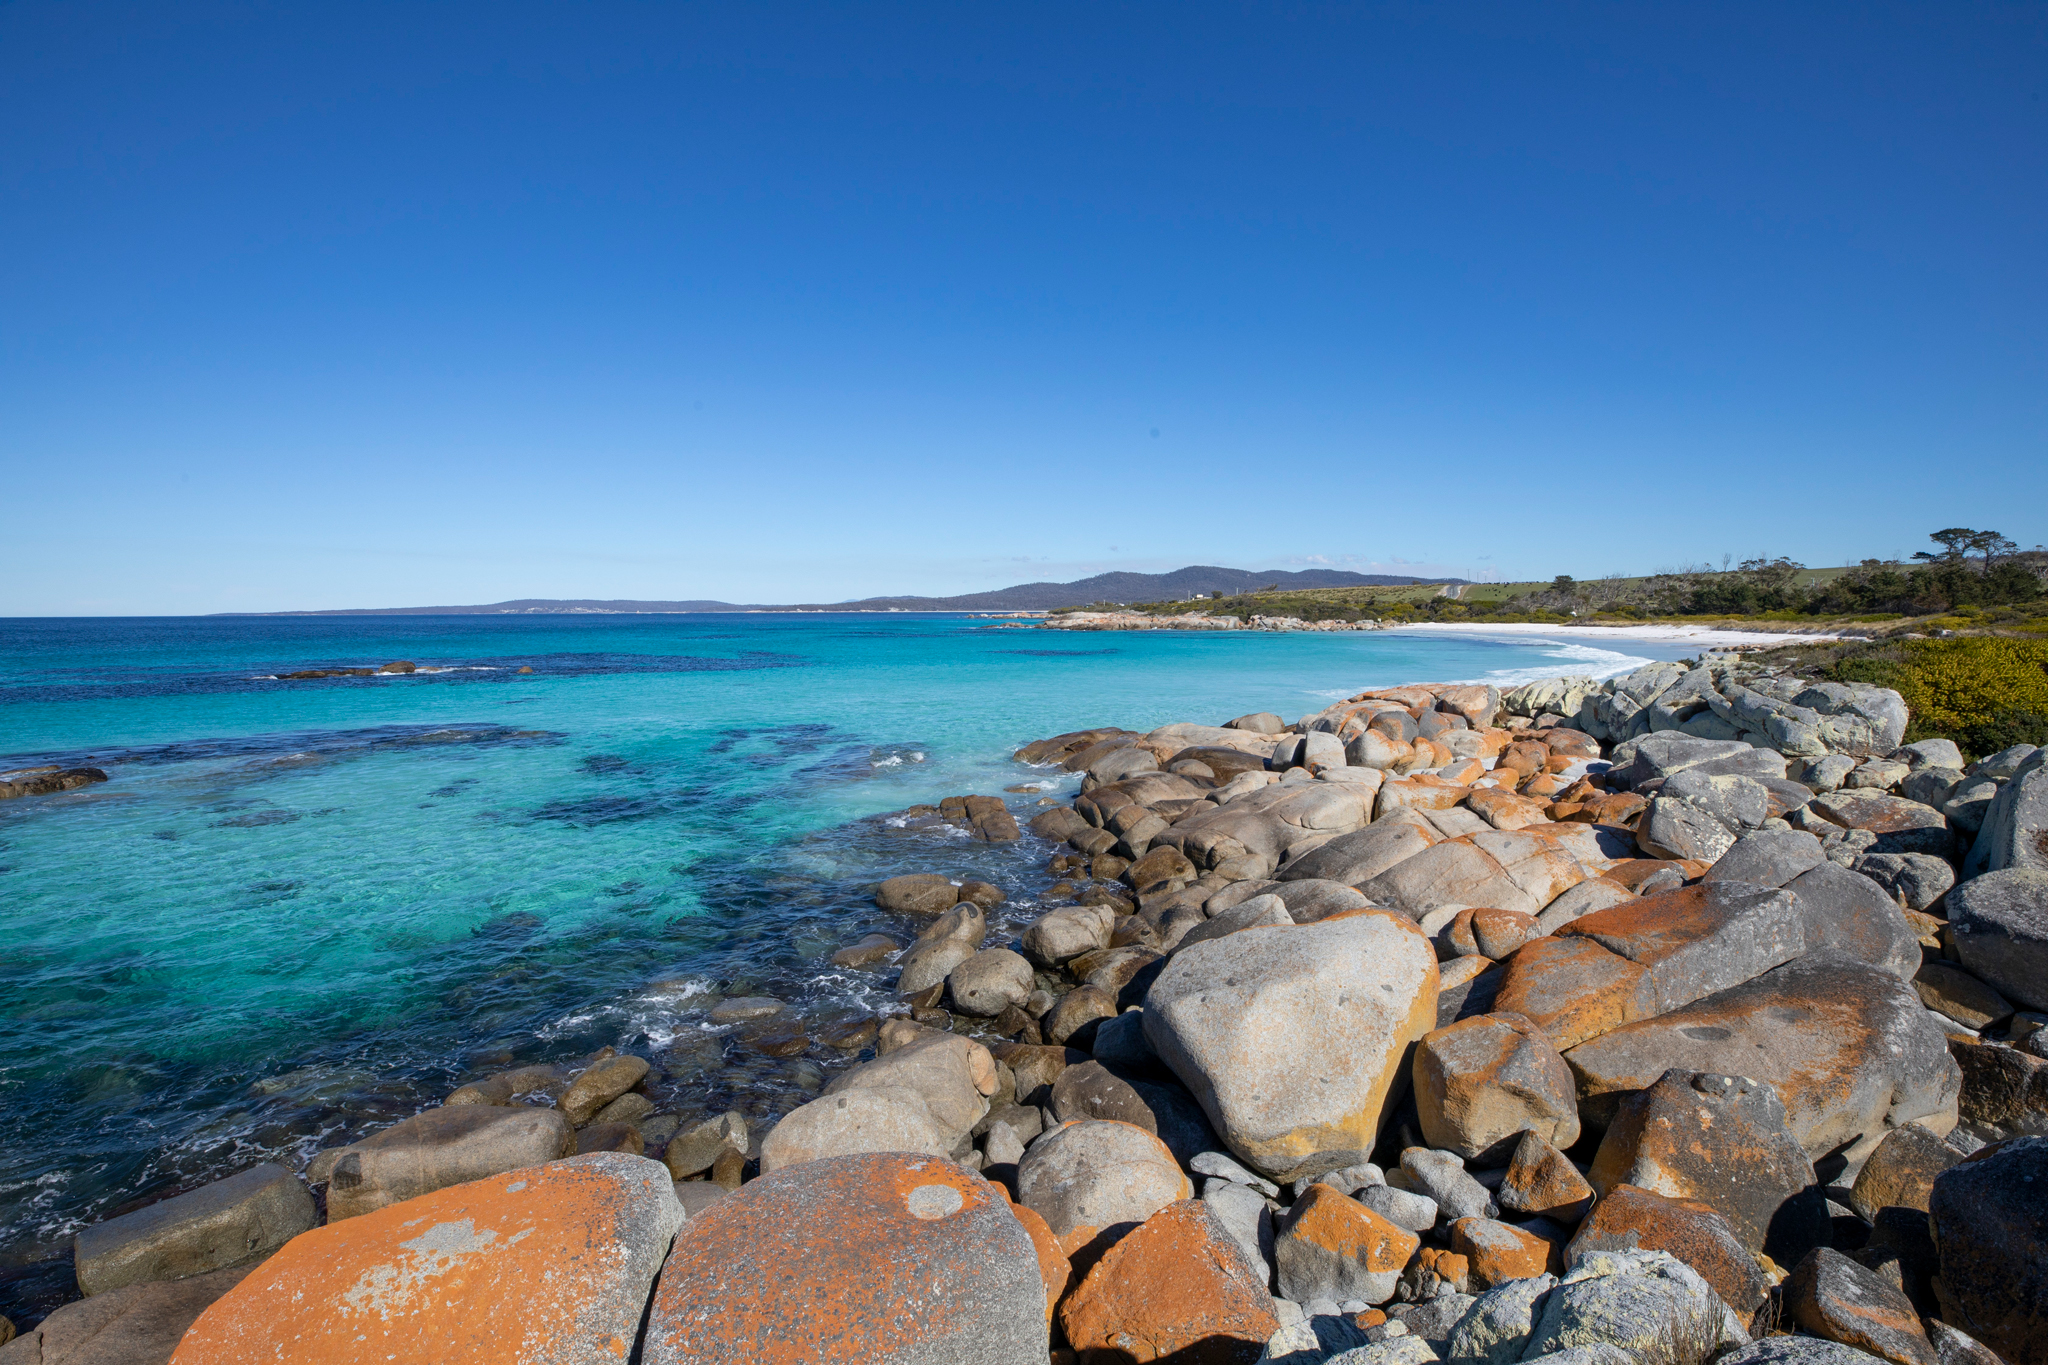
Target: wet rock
609 1137
1482 1082
1848 1049
605 1081
1541 1181
2000 923
1632 1219
991 981
738 1010
1234 1018
1832 1297
439 1148
1098 1174
1633 1300
917 893
1986 1217
1332 1247
226 1223
515 1248
928 965
899 1258
1177 1289
1723 1141
137 1324
697 1149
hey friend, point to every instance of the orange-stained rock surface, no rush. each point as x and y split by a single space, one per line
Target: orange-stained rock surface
547 1264
1541 1180
1574 989
874 1257
1633 1219
1498 1252
1179 1288
1053 1266
1633 872
1332 1246
1504 809
1525 756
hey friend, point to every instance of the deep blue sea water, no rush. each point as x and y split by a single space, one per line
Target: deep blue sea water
301 909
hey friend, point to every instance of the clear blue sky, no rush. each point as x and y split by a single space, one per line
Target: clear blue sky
366 304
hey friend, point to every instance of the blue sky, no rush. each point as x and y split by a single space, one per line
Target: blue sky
349 305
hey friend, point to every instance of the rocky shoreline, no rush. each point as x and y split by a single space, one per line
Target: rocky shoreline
1687 1015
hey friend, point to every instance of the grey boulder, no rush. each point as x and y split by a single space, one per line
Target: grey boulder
2000 924
227 1223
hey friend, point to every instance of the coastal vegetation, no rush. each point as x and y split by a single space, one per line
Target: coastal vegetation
1973 581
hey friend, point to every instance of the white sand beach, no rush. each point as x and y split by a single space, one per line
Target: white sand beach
1708 637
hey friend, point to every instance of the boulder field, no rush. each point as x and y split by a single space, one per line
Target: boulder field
1687 1016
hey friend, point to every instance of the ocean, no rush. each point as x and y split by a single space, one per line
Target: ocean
303 909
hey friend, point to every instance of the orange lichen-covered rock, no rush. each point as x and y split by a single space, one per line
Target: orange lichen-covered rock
1053 1266
1571 745
1461 770
1503 809
1499 1252
1700 939
1541 1180
1526 757
1483 1082
1423 792
1179 1288
880 1256
1333 1247
1476 702
550 1263
1633 1219
1574 989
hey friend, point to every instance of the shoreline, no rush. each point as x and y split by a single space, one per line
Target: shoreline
1580 634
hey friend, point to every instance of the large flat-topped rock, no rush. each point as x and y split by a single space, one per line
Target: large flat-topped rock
1849 1048
1700 939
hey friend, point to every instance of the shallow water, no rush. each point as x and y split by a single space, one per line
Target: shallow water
301 909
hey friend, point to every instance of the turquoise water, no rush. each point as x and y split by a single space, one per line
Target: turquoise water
303 908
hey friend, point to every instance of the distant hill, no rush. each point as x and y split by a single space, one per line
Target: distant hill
1108 587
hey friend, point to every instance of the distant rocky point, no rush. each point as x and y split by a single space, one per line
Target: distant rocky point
1109 587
